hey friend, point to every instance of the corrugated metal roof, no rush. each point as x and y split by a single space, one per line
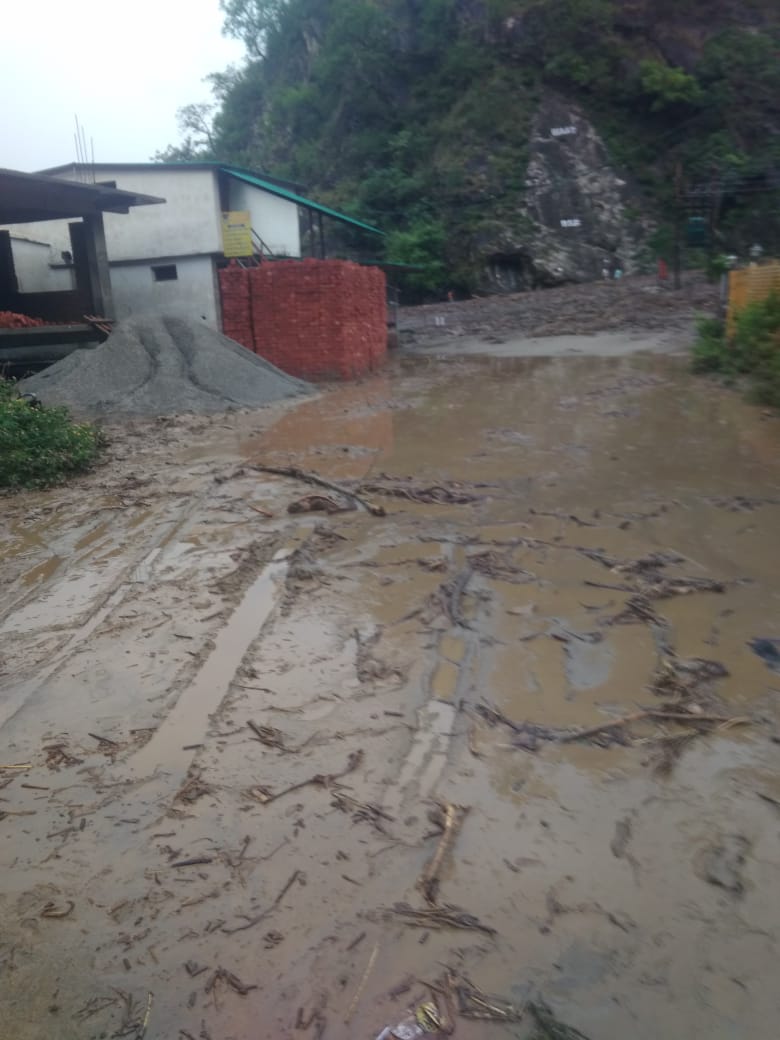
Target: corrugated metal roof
299 200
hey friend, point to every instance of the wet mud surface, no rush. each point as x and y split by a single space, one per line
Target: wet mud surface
233 736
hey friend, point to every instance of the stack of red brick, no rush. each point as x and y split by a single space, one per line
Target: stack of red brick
317 319
11 320
236 310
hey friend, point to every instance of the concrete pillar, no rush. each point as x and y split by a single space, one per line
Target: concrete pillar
97 265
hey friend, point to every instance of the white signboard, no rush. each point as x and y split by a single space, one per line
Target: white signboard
574 222
563 131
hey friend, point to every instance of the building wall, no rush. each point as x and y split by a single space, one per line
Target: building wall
32 262
192 295
274 219
188 222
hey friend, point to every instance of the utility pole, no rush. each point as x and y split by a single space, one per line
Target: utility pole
679 213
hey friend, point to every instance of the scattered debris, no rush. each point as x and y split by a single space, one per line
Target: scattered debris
449 493
424 1020
473 1003
499 566
312 478
57 755
264 795
362 811
317 504
192 789
362 984
549 1028
222 975
440 917
296 875
52 910
452 821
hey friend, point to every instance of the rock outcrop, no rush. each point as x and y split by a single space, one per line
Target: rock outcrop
579 213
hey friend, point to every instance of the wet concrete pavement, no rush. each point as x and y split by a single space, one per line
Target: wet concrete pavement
152 612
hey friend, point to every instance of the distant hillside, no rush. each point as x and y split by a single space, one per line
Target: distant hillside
507 143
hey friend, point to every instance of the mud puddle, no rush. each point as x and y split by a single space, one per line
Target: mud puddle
613 555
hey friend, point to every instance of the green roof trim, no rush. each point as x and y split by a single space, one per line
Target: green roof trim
299 200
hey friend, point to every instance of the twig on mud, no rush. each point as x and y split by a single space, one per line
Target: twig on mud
312 478
269 736
362 810
145 1022
440 917
429 881
473 1003
362 985
265 796
196 862
20 765
235 983
103 740
684 717
52 910
435 494
295 876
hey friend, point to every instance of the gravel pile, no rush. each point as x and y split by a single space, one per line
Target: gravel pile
162 366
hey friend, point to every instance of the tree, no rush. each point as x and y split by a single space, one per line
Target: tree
195 123
251 21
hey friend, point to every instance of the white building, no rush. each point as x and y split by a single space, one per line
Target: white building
163 258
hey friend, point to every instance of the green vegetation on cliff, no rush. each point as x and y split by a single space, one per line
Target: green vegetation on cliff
416 114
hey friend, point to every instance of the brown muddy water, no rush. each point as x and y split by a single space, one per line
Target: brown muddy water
171 871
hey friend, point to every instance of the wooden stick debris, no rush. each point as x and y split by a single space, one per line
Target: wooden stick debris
251 922
362 984
668 716
145 1022
265 796
429 880
312 478
440 917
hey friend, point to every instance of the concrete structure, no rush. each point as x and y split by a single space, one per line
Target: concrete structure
165 259
59 285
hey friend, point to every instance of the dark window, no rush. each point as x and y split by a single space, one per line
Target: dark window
165 273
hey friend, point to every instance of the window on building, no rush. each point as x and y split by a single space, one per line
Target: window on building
165 273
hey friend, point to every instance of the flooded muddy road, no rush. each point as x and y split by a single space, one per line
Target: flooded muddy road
235 737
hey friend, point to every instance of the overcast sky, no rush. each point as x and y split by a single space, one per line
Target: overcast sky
124 68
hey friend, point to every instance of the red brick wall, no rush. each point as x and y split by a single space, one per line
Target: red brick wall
317 319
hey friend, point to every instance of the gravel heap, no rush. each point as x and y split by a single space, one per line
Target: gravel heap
156 365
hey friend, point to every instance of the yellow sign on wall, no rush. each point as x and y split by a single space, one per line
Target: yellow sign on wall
237 233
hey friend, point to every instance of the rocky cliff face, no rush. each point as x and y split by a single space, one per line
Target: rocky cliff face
578 214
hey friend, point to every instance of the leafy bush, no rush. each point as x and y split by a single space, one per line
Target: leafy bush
752 350
710 351
41 446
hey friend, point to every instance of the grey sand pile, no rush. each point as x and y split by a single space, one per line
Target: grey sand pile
156 365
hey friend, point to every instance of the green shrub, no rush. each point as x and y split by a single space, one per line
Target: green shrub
757 345
41 446
710 351
753 349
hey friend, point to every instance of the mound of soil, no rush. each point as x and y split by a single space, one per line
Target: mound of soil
162 366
